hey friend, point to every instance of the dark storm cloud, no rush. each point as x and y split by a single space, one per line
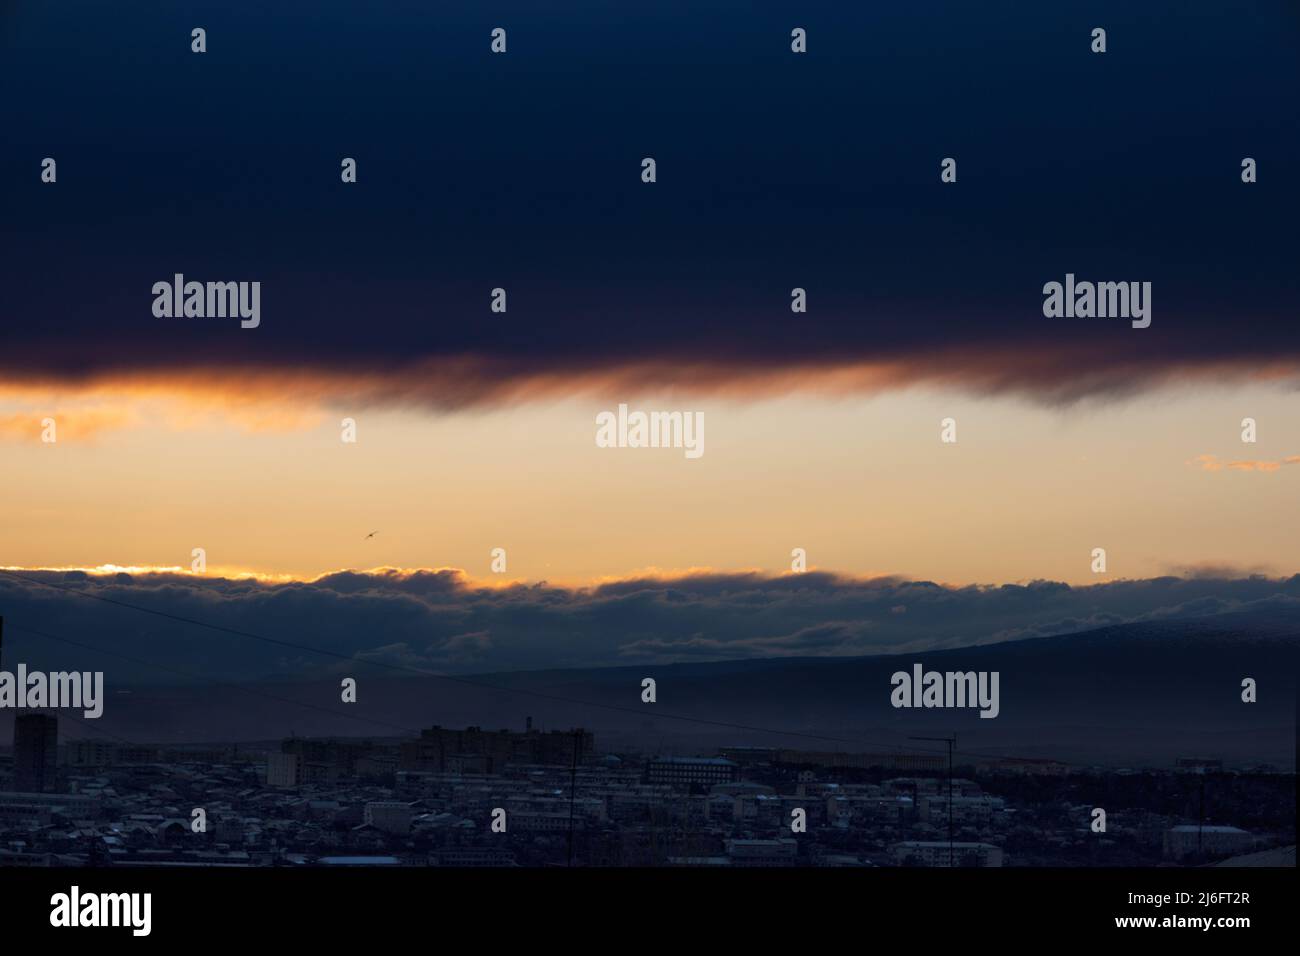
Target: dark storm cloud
441 621
775 171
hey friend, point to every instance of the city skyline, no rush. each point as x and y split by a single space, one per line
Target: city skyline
677 437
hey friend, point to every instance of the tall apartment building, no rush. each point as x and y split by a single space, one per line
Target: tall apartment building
36 752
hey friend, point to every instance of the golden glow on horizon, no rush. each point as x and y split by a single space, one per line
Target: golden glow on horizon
863 484
490 582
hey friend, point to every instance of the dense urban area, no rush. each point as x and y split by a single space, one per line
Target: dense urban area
472 797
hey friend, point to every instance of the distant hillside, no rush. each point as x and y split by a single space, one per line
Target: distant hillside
1282 856
1139 694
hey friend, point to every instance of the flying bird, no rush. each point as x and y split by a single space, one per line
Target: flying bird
369 536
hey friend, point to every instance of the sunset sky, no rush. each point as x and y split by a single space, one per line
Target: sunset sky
862 483
775 171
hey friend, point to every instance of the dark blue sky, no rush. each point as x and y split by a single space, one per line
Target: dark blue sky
522 171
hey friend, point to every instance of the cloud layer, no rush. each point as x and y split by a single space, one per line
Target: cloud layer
776 171
1213 463
439 620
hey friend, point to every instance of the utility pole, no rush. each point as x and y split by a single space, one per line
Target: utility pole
1200 824
951 741
573 787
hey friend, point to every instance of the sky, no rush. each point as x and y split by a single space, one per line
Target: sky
864 486
476 429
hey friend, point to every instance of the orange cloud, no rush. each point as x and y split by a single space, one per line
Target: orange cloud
448 383
77 424
83 412
1212 463
270 398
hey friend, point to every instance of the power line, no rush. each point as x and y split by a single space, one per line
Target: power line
101 733
407 668
469 682
251 690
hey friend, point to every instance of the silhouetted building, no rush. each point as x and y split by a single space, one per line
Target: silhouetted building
1190 840
36 751
940 852
282 769
326 760
748 756
391 816
780 852
691 771
474 750
1198 765
89 753
895 761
